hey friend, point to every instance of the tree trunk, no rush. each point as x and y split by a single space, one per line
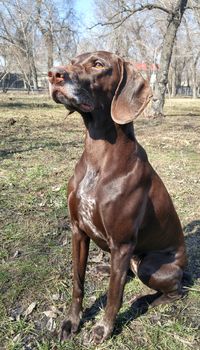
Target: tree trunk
194 81
33 71
194 77
173 82
46 33
194 61
174 21
48 37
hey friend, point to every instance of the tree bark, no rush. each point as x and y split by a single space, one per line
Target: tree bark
174 21
46 31
33 71
173 82
194 78
49 45
194 61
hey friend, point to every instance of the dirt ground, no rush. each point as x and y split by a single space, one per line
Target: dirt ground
39 149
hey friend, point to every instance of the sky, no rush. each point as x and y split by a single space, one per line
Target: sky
84 8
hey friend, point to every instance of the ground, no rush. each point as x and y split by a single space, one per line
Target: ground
39 149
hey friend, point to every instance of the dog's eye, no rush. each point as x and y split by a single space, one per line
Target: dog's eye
98 64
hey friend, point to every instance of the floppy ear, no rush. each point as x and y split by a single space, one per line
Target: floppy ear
132 95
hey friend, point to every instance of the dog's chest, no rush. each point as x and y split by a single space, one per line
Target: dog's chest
87 195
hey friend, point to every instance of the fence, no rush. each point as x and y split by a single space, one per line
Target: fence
15 81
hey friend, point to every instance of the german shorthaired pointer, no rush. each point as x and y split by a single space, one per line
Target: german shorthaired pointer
115 197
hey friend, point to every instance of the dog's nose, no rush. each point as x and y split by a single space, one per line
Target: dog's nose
57 75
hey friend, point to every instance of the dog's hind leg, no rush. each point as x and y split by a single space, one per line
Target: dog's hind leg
161 272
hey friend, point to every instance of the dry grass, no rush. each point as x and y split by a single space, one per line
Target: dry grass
39 149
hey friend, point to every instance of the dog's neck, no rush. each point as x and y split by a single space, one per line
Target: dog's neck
106 141
102 127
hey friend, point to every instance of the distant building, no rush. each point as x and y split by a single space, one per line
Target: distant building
11 81
148 71
145 67
15 81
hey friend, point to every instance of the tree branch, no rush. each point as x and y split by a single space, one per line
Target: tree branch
131 12
12 43
192 8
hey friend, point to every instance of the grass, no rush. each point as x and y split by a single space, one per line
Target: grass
39 149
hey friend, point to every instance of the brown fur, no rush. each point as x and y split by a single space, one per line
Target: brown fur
115 196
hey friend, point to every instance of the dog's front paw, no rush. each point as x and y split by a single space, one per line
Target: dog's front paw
69 328
100 332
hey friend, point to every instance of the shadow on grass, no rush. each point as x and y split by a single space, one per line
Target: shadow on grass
138 308
25 105
189 114
192 239
7 153
141 305
91 312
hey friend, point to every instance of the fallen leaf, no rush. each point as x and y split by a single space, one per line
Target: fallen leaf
54 309
11 318
17 254
98 257
30 309
56 188
42 204
51 325
64 242
93 298
56 297
17 338
50 314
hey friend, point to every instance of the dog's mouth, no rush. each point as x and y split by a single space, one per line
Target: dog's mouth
75 103
85 107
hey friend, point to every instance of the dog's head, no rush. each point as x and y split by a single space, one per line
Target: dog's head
100 81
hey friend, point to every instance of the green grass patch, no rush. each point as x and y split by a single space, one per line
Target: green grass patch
39 149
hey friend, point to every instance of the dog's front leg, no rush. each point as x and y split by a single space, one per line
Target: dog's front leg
120 260
80 248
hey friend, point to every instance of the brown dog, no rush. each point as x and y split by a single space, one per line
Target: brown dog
115 197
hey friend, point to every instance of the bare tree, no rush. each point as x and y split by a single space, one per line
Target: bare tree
184 67
193 60
177 67
55 28
16 31
173 12
34 34
174 21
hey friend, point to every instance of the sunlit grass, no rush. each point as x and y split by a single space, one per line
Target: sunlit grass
39 149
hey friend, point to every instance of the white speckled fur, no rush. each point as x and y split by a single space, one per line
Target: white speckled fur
87 202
